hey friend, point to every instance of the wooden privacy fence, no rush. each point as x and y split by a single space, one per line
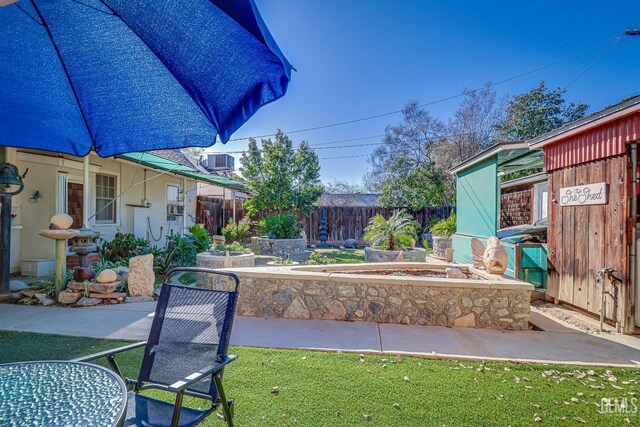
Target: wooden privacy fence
343 222
214 213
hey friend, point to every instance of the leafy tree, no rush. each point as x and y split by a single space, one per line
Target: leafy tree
538 111
403 168
475 125
280 178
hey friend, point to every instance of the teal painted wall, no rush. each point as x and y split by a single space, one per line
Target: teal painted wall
477 199
477 207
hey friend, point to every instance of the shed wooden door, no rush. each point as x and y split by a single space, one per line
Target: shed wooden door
584 239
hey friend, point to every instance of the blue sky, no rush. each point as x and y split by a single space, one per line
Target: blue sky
359 58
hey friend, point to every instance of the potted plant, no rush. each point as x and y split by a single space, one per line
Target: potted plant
442 232
393 239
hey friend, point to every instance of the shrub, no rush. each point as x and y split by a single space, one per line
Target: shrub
445 227
396 233
123 247
280 226
233 247
237 232
181 250
319 259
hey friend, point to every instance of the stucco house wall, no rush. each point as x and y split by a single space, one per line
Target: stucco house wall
137 186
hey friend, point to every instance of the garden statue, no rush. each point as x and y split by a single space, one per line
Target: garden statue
323 230
494 256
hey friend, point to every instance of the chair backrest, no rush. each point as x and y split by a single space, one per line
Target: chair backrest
190 331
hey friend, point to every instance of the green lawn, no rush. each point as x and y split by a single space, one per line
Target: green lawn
328 389
344 256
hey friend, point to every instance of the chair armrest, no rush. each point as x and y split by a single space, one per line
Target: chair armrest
108 353
187 381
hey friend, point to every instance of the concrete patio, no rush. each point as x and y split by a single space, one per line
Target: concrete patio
557 343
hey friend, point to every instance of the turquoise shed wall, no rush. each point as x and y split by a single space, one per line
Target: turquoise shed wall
477 206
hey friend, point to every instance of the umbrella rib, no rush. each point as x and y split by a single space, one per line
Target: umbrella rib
28 14
66 73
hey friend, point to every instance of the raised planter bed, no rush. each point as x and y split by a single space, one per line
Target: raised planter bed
440 246
295 249
355 292
380 255
220 260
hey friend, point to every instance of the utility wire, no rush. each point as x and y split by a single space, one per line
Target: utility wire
448 98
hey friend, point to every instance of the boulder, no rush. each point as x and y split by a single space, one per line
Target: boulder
69 297
44 299
17 285
60 221
141 276
112 295
102 288
107 276
454 273
350 243
88 302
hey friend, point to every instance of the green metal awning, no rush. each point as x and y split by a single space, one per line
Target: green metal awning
160 163
510 156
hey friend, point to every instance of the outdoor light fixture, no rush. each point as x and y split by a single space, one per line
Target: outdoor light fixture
4 3
10 185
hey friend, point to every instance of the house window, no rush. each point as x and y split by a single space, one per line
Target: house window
174 209
105 199
540 200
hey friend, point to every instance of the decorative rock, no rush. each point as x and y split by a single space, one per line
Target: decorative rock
88 302
141 275
102 288
297 310
69 297
454 273
139 299
467 321
44 299
495 257
336 310
17 285
81 274
107 276
123 273
350 243
60 221
113 295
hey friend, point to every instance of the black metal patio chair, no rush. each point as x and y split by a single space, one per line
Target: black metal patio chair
185 354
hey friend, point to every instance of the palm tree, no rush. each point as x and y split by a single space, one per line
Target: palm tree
396 233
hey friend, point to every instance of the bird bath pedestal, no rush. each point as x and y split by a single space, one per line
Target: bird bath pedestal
60 236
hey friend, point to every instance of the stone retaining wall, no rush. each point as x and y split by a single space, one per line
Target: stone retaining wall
302 293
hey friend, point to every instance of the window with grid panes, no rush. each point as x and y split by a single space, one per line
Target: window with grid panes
105 199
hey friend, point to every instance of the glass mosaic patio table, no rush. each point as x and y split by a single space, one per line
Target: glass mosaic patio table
57 393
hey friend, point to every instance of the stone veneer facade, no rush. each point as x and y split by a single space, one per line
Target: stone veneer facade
323 292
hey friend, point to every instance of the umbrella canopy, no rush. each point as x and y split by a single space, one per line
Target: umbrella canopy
119 76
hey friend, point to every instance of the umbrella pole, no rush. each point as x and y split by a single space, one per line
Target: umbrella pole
5 243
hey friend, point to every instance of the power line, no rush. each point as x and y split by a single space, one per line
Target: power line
448 98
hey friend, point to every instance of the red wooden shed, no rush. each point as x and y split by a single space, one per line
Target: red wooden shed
592 166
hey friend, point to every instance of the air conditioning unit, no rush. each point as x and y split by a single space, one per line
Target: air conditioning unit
220 162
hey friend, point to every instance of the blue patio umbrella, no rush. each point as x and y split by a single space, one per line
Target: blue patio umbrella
121 75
